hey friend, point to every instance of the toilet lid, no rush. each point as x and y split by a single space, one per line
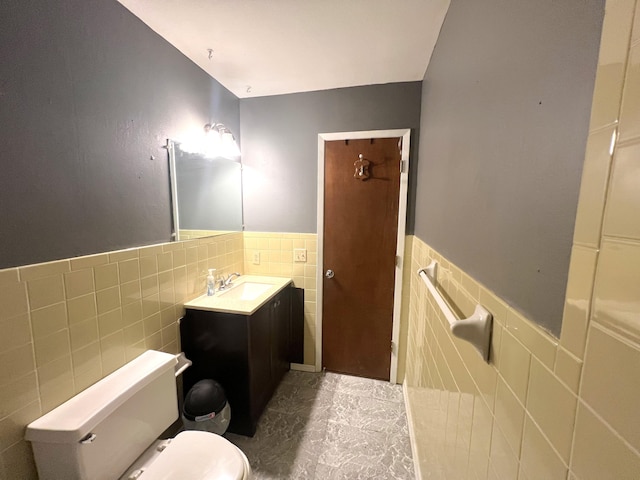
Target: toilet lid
197 455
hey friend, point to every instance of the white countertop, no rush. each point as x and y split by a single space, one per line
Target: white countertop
220 302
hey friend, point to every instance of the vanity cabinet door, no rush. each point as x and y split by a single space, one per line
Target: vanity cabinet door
261 382
281 332
217 344
247 355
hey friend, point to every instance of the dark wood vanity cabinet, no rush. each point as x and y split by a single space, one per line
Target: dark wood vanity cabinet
247 354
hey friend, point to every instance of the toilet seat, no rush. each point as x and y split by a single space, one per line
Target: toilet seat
196 455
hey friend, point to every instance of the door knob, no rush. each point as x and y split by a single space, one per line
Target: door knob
329 274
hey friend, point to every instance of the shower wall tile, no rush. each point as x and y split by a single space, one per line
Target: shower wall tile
106 276
16 331
514 365
630 114
64 325
577 304
502 460
577 397
9 276
110 322
594 442
404 308
48 320
45 291
568 369
82 308
165 261
148 265
78 283
108 299
623 203
614 44
18 461
112 351
17 393
55 373
56 393
635 33
51 347
509 415
593 187
557 423
542 345
275 251
83 333
11 427
496 306
18 362
523 424
42 270
82 263
130 292
13 295
616 302
539 460
479 449
84 380
129 270
612 365
85 358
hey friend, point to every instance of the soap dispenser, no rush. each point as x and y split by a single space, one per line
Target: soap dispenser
211 283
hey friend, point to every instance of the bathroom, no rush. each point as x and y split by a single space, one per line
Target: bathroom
522 184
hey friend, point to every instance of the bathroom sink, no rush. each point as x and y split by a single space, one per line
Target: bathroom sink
245 291
246 295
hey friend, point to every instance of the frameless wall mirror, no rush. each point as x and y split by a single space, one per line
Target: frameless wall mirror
206 194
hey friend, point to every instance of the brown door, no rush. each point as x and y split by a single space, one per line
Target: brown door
360 234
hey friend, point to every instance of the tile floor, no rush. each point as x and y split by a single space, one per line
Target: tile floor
330 426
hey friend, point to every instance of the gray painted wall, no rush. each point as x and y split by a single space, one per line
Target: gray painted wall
505 112
280 147
88 94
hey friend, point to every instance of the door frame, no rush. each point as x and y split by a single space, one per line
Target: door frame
405 133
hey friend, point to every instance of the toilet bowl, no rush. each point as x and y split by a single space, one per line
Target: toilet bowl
110 431
191 454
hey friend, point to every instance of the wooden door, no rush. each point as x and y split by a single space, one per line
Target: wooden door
360 235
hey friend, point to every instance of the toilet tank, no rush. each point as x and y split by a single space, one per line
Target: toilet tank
101 431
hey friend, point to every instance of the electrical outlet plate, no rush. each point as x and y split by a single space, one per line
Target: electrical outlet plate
299 254
256 258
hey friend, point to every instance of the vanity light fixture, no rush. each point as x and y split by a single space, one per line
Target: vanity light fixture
219 142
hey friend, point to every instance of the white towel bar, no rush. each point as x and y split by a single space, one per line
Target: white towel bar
476 329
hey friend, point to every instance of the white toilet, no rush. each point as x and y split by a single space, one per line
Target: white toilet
109 431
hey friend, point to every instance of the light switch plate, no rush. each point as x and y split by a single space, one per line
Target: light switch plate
299 254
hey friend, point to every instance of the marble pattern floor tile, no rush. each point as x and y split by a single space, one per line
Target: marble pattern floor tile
301 400
346 445
326 381
330 426
367 413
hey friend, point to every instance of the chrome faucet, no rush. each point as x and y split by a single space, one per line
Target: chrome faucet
227 282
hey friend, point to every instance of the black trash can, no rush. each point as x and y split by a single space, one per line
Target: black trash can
206 408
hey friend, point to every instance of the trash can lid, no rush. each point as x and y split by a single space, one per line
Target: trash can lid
204 398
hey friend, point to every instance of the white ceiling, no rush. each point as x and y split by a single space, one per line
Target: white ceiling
285 46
